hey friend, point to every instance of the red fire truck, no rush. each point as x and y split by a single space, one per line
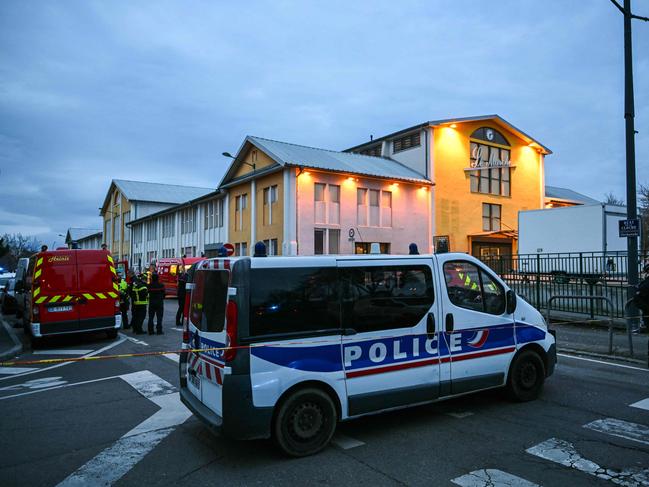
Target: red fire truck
168 270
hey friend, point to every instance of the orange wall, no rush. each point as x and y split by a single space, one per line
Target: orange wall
276 229
237 236
458 212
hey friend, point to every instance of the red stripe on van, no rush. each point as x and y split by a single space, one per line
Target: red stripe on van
391 368
486 353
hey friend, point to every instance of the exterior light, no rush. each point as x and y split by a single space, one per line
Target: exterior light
306 173
351 179
453 125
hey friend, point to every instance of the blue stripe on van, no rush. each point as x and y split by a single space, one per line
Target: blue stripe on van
322 358
528 333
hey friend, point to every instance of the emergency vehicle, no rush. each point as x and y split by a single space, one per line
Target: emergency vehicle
304 342
70 291
168 270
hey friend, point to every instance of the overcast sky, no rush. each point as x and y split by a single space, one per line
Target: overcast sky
156 91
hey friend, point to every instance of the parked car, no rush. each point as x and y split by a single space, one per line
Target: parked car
8 296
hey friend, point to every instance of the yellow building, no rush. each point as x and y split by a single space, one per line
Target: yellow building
484 172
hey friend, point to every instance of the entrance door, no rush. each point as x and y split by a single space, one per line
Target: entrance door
479 335
387 308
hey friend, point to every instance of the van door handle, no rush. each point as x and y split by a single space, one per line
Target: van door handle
450 325
430 324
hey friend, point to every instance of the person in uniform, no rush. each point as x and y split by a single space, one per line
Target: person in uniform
140 299
182 294
156 303
124 301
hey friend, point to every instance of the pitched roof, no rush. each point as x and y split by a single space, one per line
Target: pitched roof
447 121
76 234
156 192
565 194
286 154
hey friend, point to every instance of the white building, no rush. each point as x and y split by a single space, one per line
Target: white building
191 229
86 238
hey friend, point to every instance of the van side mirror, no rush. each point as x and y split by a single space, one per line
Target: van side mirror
511 302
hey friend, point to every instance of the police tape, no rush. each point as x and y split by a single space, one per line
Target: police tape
253 345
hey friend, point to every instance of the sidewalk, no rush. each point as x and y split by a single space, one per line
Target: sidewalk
10 344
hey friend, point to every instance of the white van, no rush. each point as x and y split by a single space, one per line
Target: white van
305 342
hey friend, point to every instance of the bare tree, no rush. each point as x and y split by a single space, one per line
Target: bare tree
643 207
612 199
17 246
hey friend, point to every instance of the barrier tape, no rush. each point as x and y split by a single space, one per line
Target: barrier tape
238 347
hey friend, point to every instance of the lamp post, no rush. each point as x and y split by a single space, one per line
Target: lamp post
251 164
629 114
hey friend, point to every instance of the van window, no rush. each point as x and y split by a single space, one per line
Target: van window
209 300
387 297
472 288
293 300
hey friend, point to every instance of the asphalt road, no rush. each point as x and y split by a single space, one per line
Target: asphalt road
120 422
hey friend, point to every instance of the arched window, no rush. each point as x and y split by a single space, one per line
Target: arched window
490 156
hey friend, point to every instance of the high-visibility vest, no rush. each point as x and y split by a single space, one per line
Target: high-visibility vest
123 286
138 300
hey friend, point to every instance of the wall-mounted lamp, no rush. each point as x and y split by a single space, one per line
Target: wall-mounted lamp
453 125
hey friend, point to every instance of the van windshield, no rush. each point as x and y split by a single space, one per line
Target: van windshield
209 300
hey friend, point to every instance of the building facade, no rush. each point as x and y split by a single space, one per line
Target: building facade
131 200
191 229
85 238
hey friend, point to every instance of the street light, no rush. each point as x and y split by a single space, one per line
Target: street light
252 165
631 205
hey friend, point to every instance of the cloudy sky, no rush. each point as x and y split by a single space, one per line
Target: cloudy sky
155 91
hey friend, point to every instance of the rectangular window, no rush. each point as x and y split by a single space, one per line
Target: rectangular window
374 208
208 210
386 209
271 246
488 179
361 206
294 301
137 234
374 151
320 208
406 142
319 241
334 205
209 300
386 297
326 241
269 198
151 230
117 228
241 203
189 252
334 241
107 232
241 249
490 217
219 213
151 257
472 288
127 229
366 247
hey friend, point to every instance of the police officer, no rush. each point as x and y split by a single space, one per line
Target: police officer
124 301
156 303
140 297
182 293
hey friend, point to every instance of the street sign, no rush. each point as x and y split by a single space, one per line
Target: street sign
629 228
230 248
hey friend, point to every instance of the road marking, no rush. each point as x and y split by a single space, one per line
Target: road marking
564 453
116 461
50 386
345 442
492 478
15 370
461 415
92 354
177 328
621 429
644 404
134 340
602 362
172 356
61 352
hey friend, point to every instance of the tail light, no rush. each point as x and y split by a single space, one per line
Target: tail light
35 310
185 336
117 311
231 321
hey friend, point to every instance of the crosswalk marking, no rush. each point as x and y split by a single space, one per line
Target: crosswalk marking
61 352
460 414
492 478
15 370
644 404
564 453
621 429
345 442
172 356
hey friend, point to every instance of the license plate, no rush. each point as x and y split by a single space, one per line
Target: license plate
59 309
195 381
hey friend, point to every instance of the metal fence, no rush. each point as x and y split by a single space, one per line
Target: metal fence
537 277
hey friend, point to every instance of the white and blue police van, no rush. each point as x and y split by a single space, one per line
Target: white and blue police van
305 342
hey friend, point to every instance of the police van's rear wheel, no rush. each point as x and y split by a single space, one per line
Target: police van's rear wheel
526 377
305 422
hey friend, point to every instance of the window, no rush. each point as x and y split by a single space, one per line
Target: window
209 300
151 256
189 251
326 203
494 174
366 247
326 238
472 288
374 151
295 300
490 217
406 142
117 228
373 207
167 253
168 225
107 232
386 297
137 234
271 246
214 213
127 228
241 248
151 230
188 220
208 209
241 203
270 198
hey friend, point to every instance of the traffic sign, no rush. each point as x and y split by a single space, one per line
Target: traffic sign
629 228
230 248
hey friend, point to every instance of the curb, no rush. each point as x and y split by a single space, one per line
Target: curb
614 358
18 345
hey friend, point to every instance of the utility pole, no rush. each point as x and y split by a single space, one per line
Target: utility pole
629 114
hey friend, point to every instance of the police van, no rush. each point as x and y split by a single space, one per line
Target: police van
285 347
